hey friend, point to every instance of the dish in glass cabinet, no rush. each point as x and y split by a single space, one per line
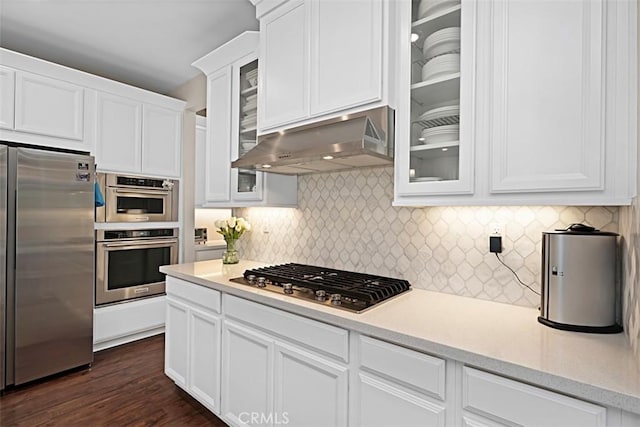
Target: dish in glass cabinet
439 134
443 41
431 7
440 112
448 63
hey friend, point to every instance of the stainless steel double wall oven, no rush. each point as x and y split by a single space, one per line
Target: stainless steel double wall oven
128 257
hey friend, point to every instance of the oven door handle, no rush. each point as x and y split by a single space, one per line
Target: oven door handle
136 244
158 192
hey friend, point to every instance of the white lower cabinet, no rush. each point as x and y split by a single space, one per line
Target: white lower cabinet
385 403
192 340
203 254
397 386
118 324
512 402
254 365
247 382
307 384
271 380
176 342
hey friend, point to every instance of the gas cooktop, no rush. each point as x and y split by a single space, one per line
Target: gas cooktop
354 292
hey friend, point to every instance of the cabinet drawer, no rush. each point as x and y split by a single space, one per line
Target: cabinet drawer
419 370
208 299
523 404
320 336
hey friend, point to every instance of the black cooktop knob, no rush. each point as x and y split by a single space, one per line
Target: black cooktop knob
287 288
321 295
261 282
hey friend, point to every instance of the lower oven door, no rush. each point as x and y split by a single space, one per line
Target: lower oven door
127 205
128 270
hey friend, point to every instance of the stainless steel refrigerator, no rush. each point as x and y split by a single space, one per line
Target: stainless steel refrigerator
46 262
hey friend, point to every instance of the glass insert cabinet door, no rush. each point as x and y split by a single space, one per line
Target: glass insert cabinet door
435 147
247 183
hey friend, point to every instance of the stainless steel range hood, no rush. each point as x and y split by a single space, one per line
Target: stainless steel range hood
362 139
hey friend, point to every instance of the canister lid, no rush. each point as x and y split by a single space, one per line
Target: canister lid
581 229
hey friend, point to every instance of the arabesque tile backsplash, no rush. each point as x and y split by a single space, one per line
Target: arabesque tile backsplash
345 220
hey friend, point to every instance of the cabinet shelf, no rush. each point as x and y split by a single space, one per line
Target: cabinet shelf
436 151
436 92
246 131
249 91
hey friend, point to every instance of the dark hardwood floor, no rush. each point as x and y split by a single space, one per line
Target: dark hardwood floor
125 386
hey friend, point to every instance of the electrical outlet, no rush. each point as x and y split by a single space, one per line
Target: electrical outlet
496 229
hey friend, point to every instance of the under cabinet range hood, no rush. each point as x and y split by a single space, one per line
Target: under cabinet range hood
362 139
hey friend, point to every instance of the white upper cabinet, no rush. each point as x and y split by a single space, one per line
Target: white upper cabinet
128 129
137 138
547 105
218 147
435 114
346 54
7 88
320 57
48 106
118 134
233 88
201 142
284 65
548 96
161 141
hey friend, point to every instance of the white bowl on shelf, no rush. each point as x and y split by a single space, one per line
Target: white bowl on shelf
430 7
441 65
443 41
438 134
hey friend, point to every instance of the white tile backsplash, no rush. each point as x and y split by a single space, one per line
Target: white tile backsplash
630 231
206 218
345 220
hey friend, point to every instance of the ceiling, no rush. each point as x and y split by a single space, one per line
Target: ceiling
145 43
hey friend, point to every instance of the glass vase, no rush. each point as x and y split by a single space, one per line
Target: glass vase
230 256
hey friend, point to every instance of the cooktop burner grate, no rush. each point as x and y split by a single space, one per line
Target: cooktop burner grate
343 289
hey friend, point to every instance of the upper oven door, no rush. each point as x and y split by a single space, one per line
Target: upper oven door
136 205
126 270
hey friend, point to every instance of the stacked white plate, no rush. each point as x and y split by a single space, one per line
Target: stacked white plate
443 41
440 112
249 120
430 7
435 135
251 102
444 64
252 77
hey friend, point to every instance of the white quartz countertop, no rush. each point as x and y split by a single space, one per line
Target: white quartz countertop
501 338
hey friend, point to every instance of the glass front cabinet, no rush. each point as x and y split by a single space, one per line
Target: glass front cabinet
246 183
434 122
231 130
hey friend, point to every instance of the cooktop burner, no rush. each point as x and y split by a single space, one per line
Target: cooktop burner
346 290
